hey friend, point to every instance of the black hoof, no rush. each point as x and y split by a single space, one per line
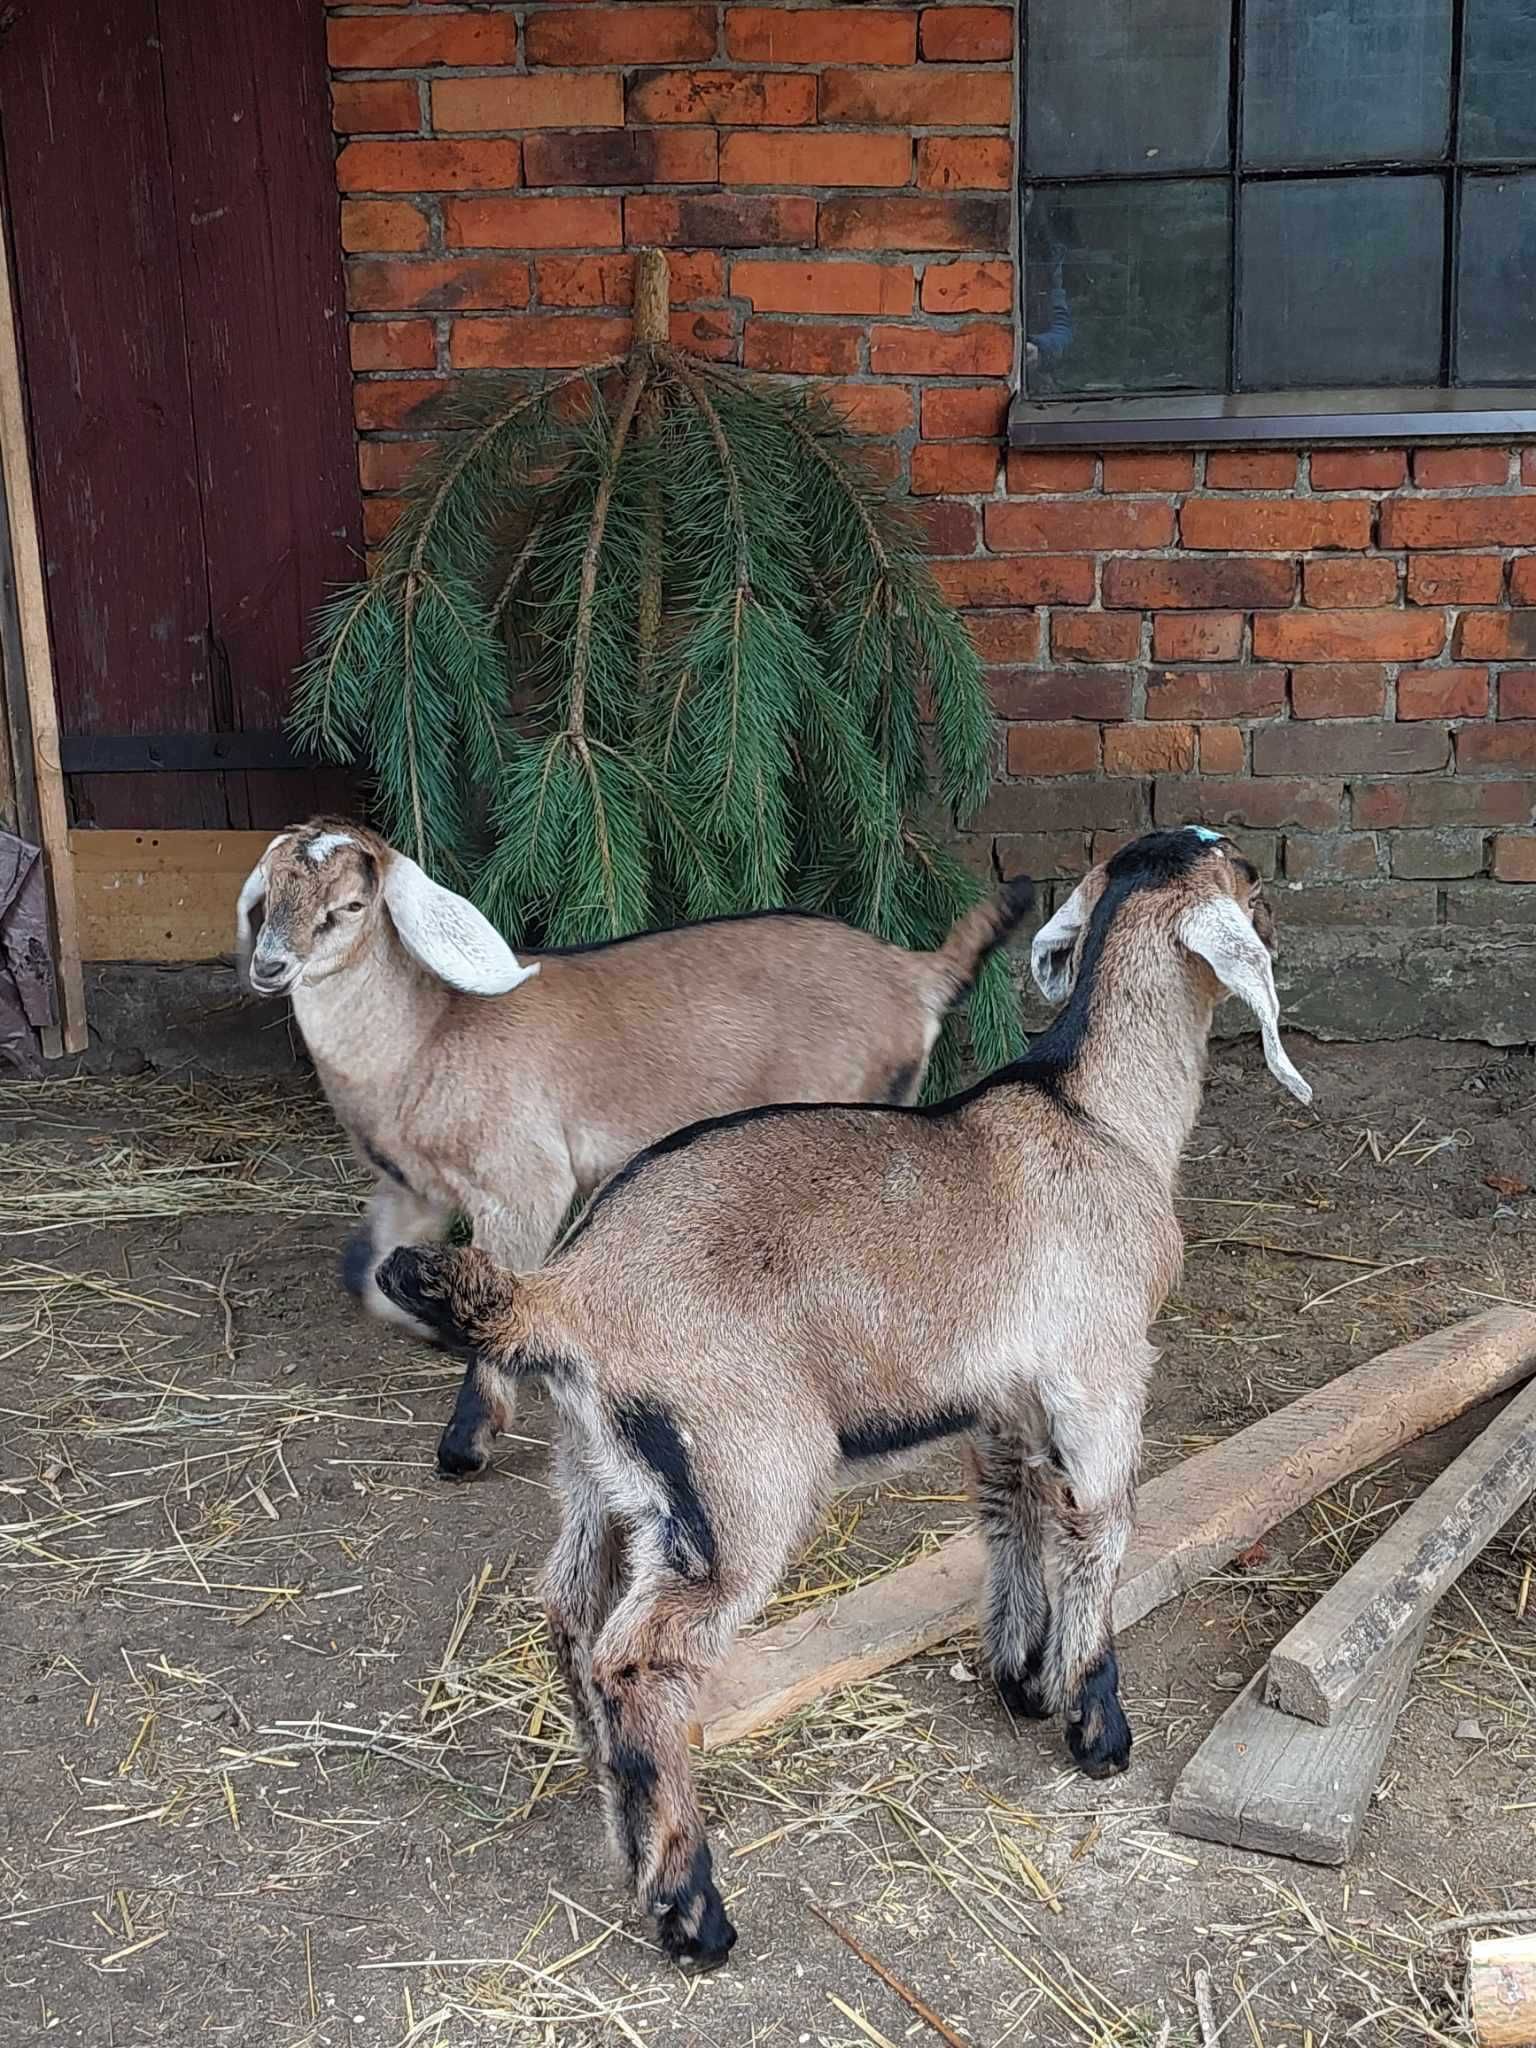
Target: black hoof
458 1457
705 1949
357 1264
1023 1696
1098 1734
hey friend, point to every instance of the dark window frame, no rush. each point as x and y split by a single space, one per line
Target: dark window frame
1302 416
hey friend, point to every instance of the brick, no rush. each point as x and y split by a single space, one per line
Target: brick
546 99
1199 586
1228 523
1053 749
1042 855
707 331
395 401
1149 749
811 348
375 106
1051 469
622 156
964 163
1156 471
719 221
1223 750
1358 469
1455 579
1509 744
1436 856
380 286
1496 636
950 526
1373 903
392 344
939 466
1331 857
965 412
1271 805
968 287
1027 525
1005 636
1215 693
382 224
1442 693
1091 804
1042 579
727 99
923 221
1455 800
1517 693
1486 904
926 96
1345 636
1370 580
984 349
1098 694
1340 689
872 408
418 42
967 35
380 518
574 222
557 341
1197 636
1095 636
620 35
1363 747
821 35
387 465
1528 465
1522 579
815 159
1514 857
610 280
1459 522
1445 469
1243 469
428 166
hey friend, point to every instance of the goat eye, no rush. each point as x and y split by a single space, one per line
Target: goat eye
354 907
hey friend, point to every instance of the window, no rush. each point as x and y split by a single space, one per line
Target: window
1243 212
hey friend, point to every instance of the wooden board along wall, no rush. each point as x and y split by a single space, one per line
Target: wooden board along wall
160 896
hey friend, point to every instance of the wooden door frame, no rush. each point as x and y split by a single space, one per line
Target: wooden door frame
31 705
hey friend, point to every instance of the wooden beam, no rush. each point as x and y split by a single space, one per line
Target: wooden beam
1501 1989
37 666
1318 1668
162 896
1190 1521
1264 1780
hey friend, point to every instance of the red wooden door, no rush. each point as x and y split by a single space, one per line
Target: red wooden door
169 180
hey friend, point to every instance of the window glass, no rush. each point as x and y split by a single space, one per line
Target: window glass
1341 282
1496 288
1345 81
1498 81
1126 85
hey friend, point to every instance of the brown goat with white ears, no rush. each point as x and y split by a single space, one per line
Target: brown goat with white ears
471 1080
766 1300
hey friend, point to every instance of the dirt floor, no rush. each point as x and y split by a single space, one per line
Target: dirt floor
282 1758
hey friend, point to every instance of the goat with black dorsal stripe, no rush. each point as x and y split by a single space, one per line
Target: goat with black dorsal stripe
772 1298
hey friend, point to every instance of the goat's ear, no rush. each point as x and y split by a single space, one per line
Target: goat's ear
249 907
447 935
1221 932
1053 956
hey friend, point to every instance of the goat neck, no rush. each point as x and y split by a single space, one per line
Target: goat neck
366 1023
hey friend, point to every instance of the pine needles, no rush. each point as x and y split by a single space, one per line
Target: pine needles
648 645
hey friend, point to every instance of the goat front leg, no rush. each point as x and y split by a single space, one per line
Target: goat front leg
397 1215
1091 1486
1016 1612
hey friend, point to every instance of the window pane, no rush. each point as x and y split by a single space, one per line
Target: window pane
1498 80
1496 291
1115 86
1346 81
1341 282
1125 287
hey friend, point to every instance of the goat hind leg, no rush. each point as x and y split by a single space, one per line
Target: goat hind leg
582 1583
1016 1619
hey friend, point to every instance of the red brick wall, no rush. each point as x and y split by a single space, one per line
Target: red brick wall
1334 652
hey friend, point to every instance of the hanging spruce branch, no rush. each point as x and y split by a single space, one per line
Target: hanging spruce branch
650 644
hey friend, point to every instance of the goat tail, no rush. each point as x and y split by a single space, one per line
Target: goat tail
980 932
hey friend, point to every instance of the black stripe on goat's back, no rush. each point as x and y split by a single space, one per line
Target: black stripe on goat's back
883 1436
649 1429
672 931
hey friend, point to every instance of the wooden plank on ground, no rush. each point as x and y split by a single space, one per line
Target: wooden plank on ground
1501 1987
161 895
1318 1668
1190 1521
1264 1780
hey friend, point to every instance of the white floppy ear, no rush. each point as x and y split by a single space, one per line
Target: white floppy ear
1222 935
1053 956
447 935
252 894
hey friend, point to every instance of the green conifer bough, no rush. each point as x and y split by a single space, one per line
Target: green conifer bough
649 644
